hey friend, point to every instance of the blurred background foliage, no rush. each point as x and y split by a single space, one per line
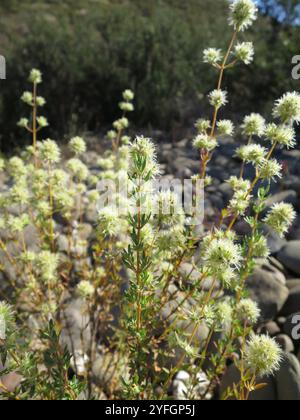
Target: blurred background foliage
91 50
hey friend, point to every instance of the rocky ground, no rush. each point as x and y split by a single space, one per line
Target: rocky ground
275 284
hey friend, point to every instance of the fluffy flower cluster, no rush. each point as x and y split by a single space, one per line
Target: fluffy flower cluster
239 184
242 14
221 256
247 312
252 153
47 264
35 76
49 151
284 135
244 51
85 289
202 125
108 221
77 146
205 142
254 125
287 108
262 355
218 98
143 161
240 202
281 217
225 127
212 56
270 170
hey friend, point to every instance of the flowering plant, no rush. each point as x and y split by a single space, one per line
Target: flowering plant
139 307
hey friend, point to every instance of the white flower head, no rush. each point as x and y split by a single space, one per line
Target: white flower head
108 221
284 135
244 51
260 248
247 311
205 142
254 125
16 167
252 153
225 128
212 56
24 123
78 169
240 202
223 313
128 95
287 108
50 152
143 158
202 125
47 264
126 106
242 14
27 98
42 122
35 76
85 289
40 101
262 355
121 124
77 145
280 218
218 98
270 170
221 254
239 184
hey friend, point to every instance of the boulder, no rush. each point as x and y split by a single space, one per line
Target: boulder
285 342
292 304
289 256
267 287
288 379
289 196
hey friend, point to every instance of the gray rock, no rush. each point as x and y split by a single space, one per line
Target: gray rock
292 304
285 342
281 321
271 328
76 331
289 196
289 256
292 283
11 381
62 243
226 190
181 386
288 379
276 264
108 371
182 167
267 288
275 243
